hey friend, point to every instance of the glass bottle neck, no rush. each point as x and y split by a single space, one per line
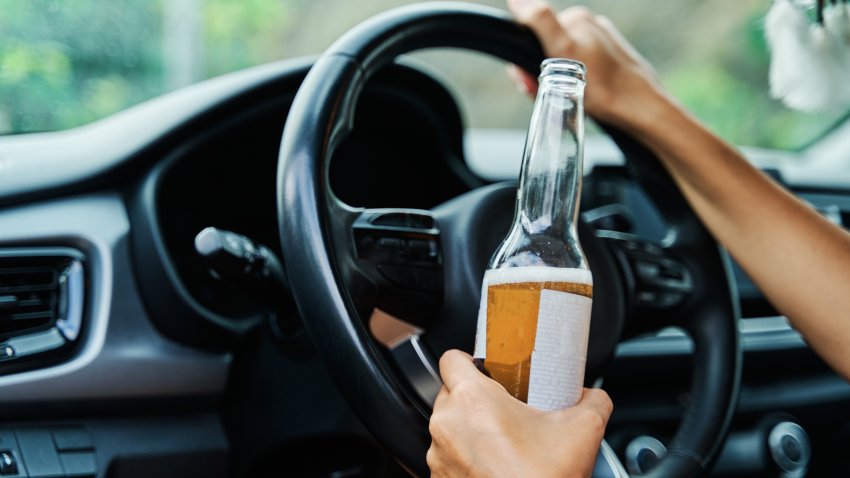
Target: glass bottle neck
550 184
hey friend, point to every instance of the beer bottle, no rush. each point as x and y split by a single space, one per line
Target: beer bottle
534 317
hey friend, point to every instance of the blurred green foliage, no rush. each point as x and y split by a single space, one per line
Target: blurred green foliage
243 33
64 63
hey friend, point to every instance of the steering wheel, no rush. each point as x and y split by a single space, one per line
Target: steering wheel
426 266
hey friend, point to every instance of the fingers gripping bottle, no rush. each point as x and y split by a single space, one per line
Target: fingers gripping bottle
534 317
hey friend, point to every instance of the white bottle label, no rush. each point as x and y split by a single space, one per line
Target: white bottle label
560 350
560 345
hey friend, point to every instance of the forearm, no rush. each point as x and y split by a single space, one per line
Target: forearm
798 259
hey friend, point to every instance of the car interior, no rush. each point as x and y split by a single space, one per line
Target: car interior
192 286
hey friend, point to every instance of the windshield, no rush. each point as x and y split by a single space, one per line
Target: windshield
66 63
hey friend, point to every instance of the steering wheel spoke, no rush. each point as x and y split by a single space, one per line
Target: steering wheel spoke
661 282
362 291
399 250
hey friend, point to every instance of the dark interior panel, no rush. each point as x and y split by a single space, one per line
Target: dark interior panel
405 151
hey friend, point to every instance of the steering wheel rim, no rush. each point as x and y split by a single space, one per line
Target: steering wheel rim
322 115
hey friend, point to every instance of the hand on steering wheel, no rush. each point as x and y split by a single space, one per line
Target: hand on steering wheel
620 81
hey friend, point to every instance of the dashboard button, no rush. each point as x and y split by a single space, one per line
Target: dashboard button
791 448
8 464
643 454
68 439
38 453
78 464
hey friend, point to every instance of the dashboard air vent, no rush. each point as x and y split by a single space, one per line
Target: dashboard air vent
41 302
28 298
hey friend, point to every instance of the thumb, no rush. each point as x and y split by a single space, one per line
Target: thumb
456 367
539 16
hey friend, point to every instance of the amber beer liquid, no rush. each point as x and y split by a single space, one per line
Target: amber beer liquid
537 293
538 315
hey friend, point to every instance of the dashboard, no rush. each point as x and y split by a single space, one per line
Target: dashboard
163 336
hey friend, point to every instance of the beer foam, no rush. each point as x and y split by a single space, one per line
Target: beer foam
516 275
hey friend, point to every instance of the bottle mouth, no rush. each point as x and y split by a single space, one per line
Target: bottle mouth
562 67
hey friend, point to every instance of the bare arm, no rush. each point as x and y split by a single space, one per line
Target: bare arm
799 260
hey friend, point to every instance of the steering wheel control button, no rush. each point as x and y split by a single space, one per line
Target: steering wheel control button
790 448
662 273
391 243
421 248
643 454
399 251
662 281
648 270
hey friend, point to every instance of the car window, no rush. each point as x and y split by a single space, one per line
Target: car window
64 64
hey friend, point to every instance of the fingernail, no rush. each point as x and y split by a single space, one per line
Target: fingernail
513 72
516 77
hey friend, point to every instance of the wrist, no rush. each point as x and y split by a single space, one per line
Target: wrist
644 111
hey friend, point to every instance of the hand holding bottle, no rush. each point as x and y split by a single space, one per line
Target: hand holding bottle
478 429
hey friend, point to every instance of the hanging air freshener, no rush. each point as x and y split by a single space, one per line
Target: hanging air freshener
810 53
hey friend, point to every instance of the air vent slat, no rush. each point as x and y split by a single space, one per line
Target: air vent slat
26 288
34 302
8 302
30 293
31 315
